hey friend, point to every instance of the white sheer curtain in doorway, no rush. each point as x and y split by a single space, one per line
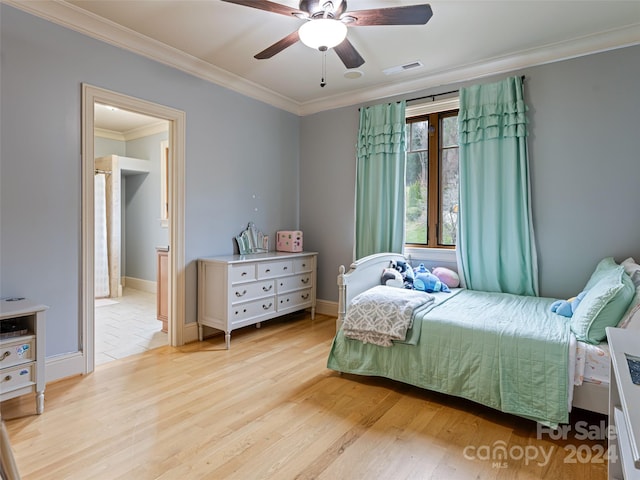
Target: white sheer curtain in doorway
101 279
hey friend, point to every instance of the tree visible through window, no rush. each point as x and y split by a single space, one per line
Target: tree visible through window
431 186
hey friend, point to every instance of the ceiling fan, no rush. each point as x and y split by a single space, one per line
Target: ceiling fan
327 23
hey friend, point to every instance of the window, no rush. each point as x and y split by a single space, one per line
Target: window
431 186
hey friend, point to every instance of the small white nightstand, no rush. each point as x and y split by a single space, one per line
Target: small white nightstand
624 406
22 349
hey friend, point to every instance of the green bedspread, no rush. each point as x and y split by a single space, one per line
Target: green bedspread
505 351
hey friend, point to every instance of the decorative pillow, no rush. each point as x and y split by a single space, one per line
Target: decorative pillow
447 276
633 270
605 267
631 318
603 305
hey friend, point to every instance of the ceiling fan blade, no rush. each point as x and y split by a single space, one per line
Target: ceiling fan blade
409 15
278 46
348 54
269 7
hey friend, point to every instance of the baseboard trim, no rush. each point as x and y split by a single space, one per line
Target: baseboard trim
62 366
325 307
190 332
140 284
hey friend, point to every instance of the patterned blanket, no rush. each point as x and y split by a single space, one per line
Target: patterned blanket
383 314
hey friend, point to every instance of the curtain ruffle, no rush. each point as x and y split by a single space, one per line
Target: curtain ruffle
483 117
382 130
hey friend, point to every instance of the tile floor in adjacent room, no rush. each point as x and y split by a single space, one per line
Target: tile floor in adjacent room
127 327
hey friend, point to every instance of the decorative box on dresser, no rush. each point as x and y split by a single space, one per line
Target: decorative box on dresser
235 291
22 349
624 406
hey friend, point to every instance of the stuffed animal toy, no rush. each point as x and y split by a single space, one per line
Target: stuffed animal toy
406 271
567 308
427 282
447 276
392 278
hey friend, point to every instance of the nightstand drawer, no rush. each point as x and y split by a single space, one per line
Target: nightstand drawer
18 351
17 377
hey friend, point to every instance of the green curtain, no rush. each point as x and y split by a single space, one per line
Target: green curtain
380 178
496 248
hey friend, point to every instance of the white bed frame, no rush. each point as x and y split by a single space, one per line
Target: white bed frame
365 273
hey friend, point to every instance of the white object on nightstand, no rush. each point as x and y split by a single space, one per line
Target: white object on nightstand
235 291
22 356
624 406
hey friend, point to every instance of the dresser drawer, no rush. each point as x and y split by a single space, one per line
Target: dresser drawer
304 264
275 269
243 311
15 352
243 272
294 299
17 377
293 283
249 291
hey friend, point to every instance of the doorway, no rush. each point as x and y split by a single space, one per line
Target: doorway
131 232
117 167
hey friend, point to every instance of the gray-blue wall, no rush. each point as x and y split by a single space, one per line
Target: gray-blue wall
247 161
584 146
236 148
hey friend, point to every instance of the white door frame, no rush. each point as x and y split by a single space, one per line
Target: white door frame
176 193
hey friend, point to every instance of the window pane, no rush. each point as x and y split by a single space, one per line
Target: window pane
419 135
416 197
448 196
450 132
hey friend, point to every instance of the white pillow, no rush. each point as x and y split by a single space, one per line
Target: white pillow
633 270
631 318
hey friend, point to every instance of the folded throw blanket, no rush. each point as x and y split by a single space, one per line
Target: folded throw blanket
382 314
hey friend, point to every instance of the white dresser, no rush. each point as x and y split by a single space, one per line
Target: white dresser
22 347
624 406
239 290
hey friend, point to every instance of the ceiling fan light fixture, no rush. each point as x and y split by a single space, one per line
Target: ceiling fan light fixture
322 33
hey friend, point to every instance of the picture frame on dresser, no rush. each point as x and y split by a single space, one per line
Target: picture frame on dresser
236 291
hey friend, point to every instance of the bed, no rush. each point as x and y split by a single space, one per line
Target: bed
508 352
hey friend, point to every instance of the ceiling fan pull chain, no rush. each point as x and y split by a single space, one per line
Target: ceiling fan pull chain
324 68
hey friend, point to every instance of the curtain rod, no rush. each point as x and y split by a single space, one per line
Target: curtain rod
433 97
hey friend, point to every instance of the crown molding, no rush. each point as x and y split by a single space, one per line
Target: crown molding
596 43
134 133
87 23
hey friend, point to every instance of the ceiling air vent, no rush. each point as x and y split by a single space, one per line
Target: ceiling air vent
403 68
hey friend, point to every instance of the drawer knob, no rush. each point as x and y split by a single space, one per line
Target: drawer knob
238 294
304 297
284 268
267 307
267 270
305 280
267 289
7 378
5 355
243 274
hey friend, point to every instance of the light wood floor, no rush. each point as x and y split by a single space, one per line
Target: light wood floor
269 409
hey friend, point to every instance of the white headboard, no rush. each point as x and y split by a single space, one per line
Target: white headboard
362 275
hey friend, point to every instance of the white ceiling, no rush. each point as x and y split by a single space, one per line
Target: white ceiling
464 40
